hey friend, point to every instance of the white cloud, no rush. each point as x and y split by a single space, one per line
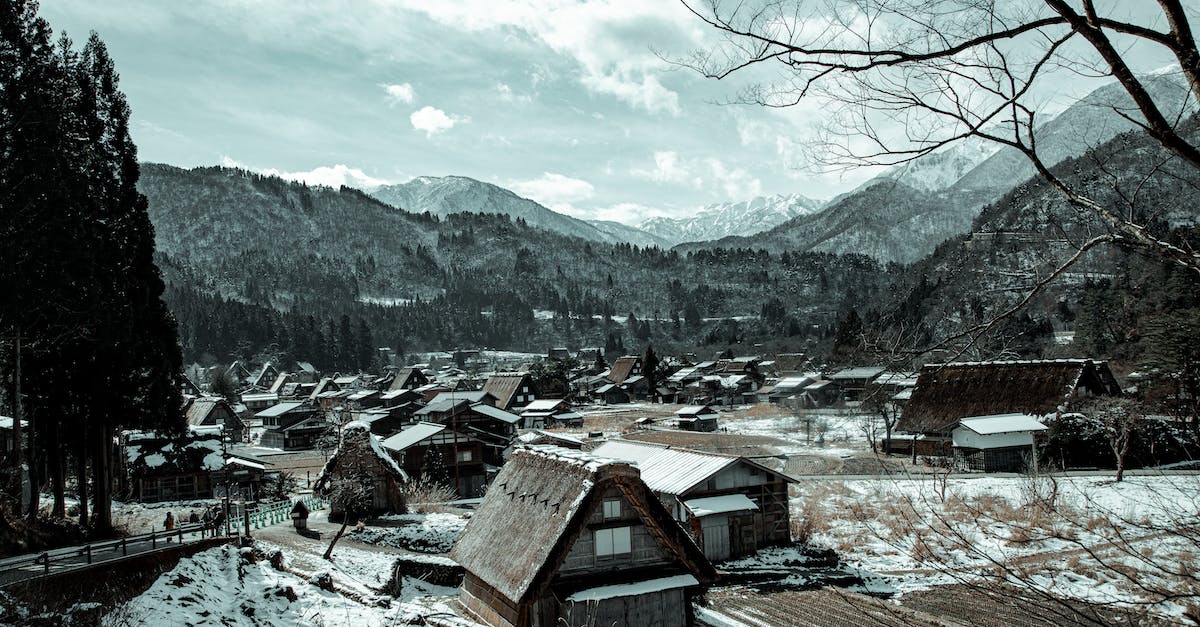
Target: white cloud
607 38
402 93
630 213
737 183
710 173
329 176
669 167
506 94
554 190
433 120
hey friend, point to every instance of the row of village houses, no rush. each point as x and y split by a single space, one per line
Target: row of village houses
591 529
468 432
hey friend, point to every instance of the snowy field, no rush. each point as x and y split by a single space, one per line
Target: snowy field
1128 544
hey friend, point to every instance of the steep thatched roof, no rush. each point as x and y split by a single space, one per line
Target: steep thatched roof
947 393
504 386
537 507
623 368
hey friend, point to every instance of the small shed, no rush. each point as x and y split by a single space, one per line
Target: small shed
697 418
999 443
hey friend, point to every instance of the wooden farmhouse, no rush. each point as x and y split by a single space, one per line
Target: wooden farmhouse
428 450
563 537
408 379
625 367
214 411
512 390
750 510
159 468
946 394
361 459
553 412
852 382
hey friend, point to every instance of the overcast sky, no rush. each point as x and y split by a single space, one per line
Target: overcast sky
567 103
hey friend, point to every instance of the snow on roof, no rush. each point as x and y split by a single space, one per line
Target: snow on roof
412 435
636 452
7 423
720 505
279 409
1003 423
862 372
544 404
817 385
237 461
265 396
632 589
496 412
692 410
903 395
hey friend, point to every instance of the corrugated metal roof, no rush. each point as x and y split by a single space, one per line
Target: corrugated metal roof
497 413
666 469
280 409
412 435
628 450
1003 423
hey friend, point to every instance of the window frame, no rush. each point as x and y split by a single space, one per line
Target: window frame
612 542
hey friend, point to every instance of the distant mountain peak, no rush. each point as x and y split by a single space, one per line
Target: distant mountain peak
743 218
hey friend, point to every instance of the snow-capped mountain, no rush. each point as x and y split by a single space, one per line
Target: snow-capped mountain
902 214
736 218
939 170
444 195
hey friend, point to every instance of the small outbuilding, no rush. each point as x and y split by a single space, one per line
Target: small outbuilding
1001 443
697 418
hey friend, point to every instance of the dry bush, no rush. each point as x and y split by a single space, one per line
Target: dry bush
812 520
425 497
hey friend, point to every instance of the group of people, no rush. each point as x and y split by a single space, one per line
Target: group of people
213 518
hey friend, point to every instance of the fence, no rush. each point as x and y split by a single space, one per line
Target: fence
269 514
78 556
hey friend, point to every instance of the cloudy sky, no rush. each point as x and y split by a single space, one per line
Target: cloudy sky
568 103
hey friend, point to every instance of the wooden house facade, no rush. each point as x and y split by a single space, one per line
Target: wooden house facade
752 510
596 547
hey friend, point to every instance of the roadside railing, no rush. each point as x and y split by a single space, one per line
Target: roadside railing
269 514
105 550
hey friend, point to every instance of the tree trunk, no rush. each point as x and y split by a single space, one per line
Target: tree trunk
35 483
18 413
58 477
101 486
81 476
337 536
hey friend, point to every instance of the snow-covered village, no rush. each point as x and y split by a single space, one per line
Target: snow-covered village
591 313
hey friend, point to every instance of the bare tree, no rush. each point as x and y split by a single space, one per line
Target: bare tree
1121 418
947 70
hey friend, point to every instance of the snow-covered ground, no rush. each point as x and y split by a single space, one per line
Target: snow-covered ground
423 533
1084 538
224 587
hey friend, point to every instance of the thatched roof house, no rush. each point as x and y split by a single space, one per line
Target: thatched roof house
625 367
361 459
563 535
947 393
510 389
